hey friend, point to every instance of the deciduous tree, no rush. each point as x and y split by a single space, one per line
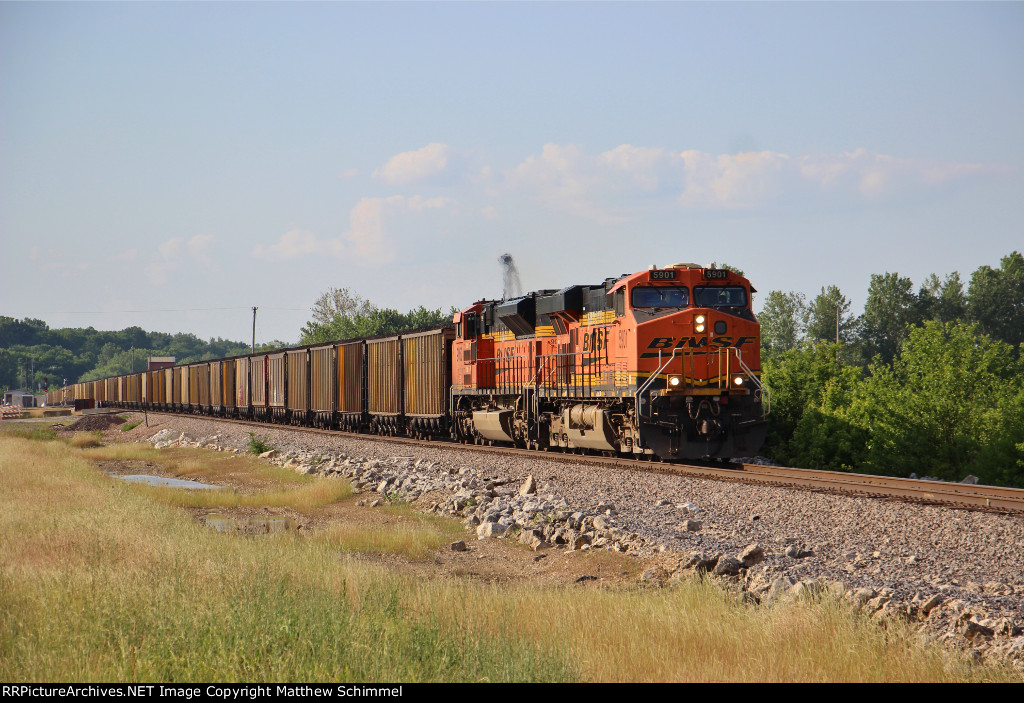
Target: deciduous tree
782 321
821 317
996 299
890 308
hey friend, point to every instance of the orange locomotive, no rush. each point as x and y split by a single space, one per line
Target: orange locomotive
662 363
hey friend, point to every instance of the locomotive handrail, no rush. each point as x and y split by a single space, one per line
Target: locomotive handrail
650 380
765 393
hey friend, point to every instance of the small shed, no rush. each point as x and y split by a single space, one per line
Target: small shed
20 398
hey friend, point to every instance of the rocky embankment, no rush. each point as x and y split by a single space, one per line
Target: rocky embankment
959 575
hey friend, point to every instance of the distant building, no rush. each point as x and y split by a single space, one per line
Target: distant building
21 398
159 362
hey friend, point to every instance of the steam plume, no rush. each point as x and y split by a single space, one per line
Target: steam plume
511 286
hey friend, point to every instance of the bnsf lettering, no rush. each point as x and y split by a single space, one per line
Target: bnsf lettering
698 342
595 341
726 341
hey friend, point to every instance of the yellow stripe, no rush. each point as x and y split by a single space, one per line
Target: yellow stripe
599 317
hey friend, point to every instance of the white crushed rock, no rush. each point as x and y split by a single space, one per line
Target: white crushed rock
960 572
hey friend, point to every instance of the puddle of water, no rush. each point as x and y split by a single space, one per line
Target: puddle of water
168 482
250 525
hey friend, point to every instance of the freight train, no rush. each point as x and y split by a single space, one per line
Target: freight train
661 364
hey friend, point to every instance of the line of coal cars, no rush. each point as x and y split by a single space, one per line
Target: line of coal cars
398 384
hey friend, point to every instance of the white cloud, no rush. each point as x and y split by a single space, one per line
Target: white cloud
369 238
733 181
368 223
613 186
174 252
415 167
568 179
297 243
127 255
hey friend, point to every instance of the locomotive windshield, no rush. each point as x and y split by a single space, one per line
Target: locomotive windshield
660 297
720 297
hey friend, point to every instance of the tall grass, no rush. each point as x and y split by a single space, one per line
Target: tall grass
201 464
82 440
415 538
100 582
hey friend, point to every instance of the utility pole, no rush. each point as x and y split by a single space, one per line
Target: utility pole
254 329
838 311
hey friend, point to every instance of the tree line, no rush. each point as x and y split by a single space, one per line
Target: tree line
34 356
928 381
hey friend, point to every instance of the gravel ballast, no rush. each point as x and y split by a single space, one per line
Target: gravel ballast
959 573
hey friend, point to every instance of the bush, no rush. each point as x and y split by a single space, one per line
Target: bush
258 445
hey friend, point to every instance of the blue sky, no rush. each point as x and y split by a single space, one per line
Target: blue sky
193 160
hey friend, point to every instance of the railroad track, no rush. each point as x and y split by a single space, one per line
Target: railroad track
957 495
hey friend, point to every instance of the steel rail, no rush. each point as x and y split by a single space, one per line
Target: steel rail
982 496
958 495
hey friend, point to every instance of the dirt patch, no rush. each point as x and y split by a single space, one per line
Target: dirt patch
488 560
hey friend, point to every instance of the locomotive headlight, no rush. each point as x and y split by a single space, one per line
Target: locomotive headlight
738 380
699 319
674 381
699 328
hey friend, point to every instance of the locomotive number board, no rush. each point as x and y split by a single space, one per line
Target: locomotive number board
663 275
716 274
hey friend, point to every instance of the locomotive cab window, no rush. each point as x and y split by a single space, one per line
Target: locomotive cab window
660 297
720 296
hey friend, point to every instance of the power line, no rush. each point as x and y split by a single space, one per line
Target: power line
112 312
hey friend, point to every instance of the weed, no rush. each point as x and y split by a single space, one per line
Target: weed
130 426
258 445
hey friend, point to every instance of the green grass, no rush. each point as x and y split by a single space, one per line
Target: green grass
129 426
100 582
31 431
